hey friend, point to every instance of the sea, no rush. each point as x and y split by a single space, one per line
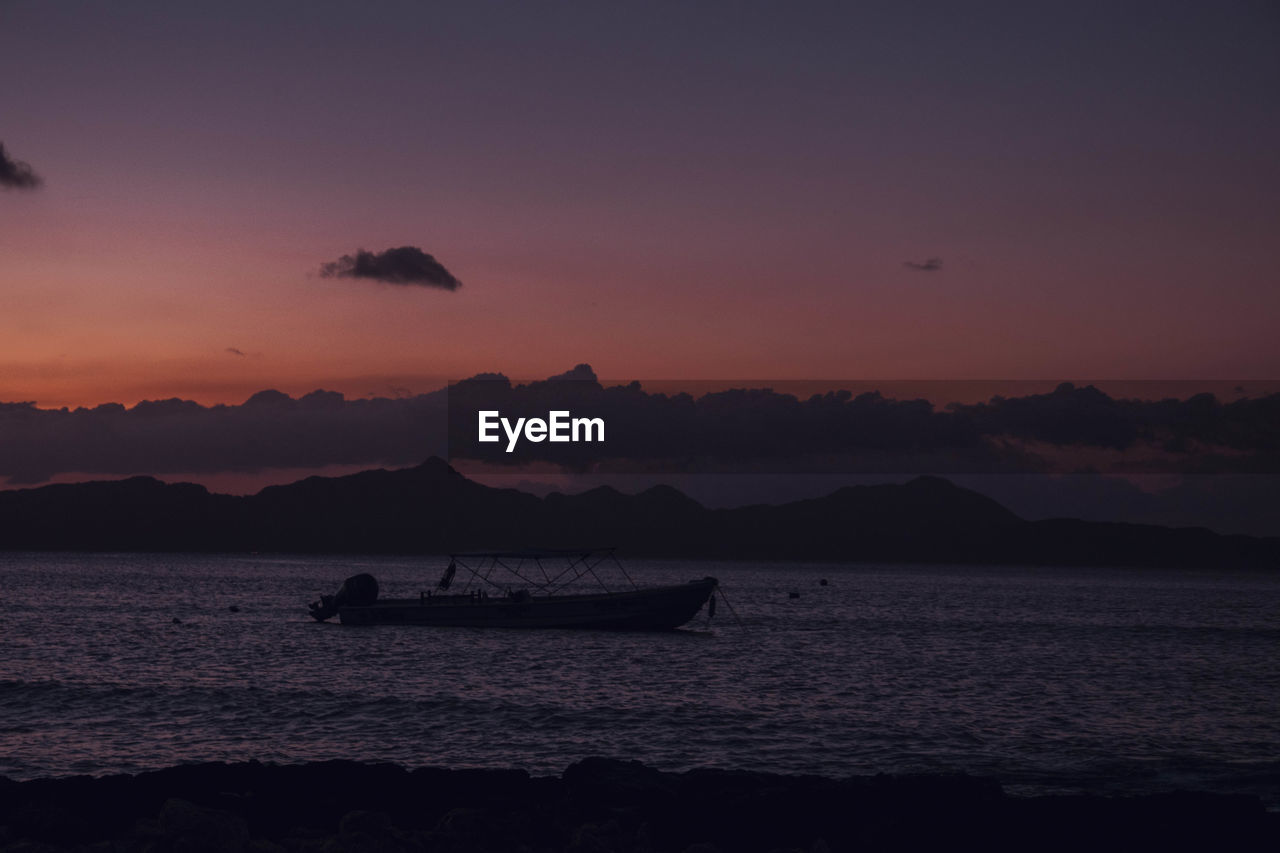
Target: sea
1051 680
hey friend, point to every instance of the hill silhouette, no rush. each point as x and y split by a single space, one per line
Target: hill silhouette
431 508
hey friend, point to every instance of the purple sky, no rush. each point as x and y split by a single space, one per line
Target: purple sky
663 190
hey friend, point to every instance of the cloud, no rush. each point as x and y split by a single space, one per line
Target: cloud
269 430
581 372
14 174
407 265
235 351
930 265
739 430
761 430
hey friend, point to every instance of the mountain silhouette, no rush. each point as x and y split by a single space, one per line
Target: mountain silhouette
431 508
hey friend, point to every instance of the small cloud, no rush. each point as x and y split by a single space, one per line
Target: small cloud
235 351
14 174
407 265
930 265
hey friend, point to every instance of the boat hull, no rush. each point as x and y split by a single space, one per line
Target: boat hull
654 609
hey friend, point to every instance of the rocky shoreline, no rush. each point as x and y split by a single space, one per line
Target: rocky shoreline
596 805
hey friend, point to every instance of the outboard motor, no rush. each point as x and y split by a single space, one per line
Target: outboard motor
356 591
447 578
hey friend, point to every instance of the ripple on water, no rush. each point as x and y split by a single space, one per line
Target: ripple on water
1051 680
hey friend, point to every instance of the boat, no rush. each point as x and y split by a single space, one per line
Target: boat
524 589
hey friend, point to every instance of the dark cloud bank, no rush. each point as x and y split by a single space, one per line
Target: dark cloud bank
269 430
406 265
15 174
796 447
758 430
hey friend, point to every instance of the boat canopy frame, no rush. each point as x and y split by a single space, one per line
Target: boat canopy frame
558 567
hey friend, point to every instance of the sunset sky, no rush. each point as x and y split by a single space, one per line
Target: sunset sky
675 191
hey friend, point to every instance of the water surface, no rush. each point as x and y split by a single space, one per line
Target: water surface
1117 681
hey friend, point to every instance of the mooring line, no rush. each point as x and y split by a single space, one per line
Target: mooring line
725 599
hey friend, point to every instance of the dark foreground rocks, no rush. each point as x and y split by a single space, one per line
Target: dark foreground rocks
598 805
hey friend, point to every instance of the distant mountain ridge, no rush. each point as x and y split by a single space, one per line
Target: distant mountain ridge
431 508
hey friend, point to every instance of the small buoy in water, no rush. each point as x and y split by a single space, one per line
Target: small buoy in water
235 608
822 582
793 595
